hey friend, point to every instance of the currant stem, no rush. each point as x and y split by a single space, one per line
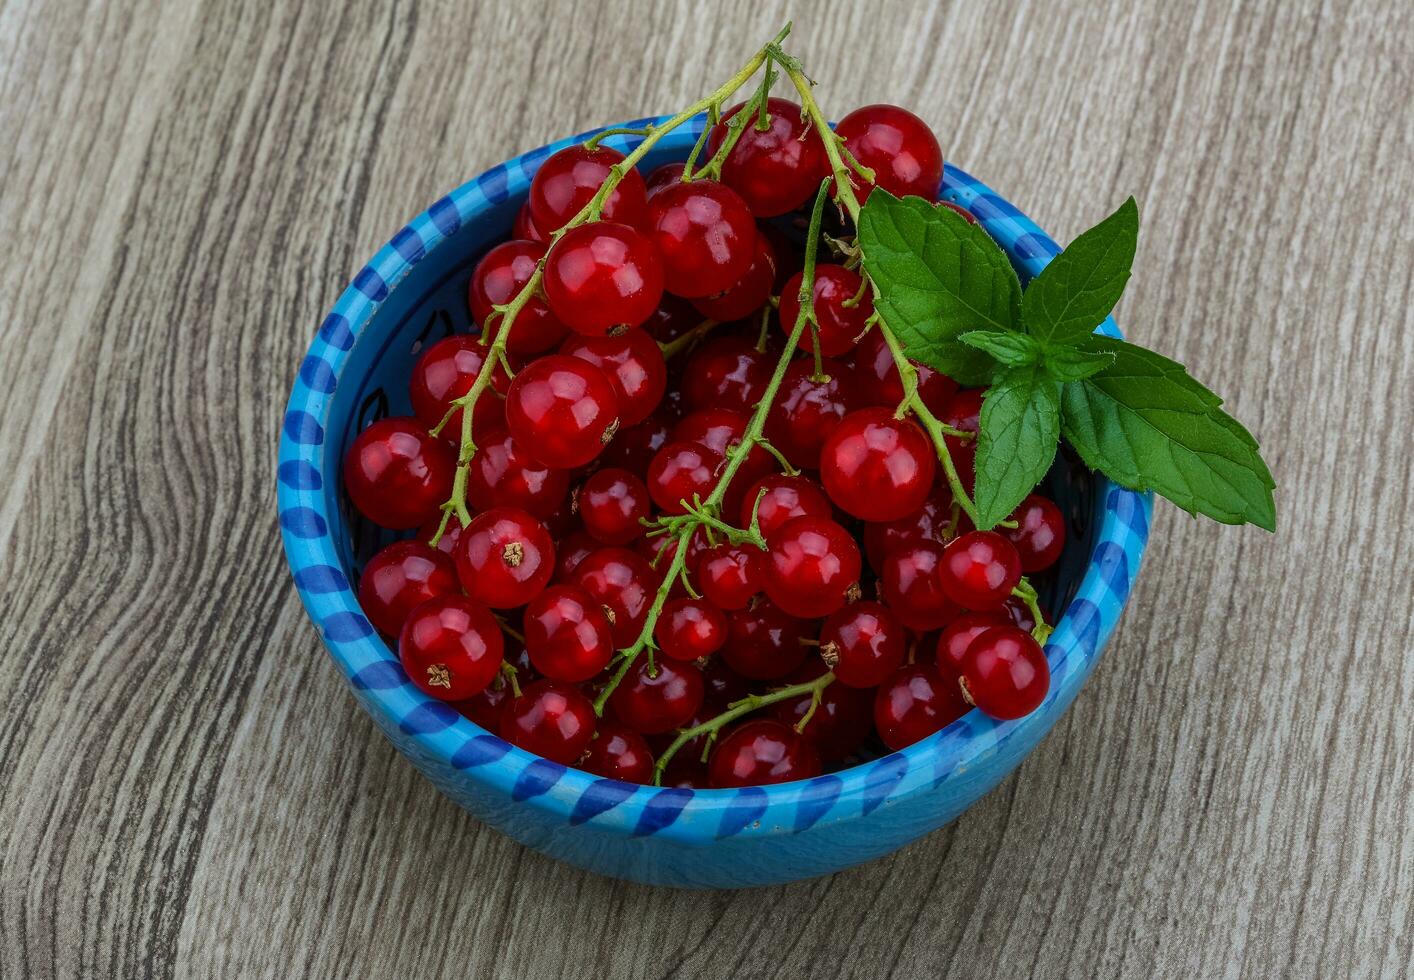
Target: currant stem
688 340
1026 592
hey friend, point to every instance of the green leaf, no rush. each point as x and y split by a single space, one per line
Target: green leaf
1078 289
1006 347
1147 425
1074 364
1016 441
937 277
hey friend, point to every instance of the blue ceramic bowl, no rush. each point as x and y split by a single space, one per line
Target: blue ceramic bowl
413 293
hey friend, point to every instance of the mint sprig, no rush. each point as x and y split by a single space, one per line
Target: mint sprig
949 294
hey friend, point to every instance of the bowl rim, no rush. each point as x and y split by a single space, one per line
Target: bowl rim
959 751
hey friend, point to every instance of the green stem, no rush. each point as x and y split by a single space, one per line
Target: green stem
603 134
679 344
1026 592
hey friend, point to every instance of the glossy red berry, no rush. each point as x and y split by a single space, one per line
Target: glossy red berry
674 317
867 643
909 584
658 700
524 227
504 475
761 752
979 570
929 522
719 429
958 635
659 551
447 543
726 373
811 564
681 471
963 412
782 498
689 629
777 170
570 551
613 504
840 323
563 410
749 293
723 685
898 146
504 558
632 448
567 634
496 280
1005 673
877 467
1039 535
633 363
396 474
705 234
728 576
400 577
841 721
623 582
450 647
664 177
878 381
485 708
914 703
764 642
806 411
550 719
1019 614
568 179
445 372
618 752
601 276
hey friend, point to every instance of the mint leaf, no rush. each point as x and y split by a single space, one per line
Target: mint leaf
1075 364
1016 440
1147 425
937 276
1006 347
1078 289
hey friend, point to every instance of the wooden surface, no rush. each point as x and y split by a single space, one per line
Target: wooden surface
187 788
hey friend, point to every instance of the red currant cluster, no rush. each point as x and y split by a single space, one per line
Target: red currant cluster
681 508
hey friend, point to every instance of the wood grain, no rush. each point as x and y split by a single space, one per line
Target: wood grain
186 789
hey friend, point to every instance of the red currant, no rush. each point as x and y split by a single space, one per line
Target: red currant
705 234
728 575
623 582
618 753
1005 673
764 642
879 382
681 471
403 575
867 641
396 474
447 543
967 215
1039 535
664 177
570 551
567 634
762 752
660 549
601 276
979 570
485 708
657 700
781 498
722 684
811 563
568 179
958 635
685 771
898 146
444 373
777 170
913 704
689 629
633 363
504 558
909 584
562 409
749 293
807 411
929 522
674 317
1019 614
719 429
632 448
551 720
876 467
504 475
450 647
524 227
841 721
613 504
838 323
963 412
498 277
726 373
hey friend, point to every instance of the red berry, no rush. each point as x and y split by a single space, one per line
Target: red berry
764 642
806 411
623 582
723 685
689 629
1005 673
777 170
632 448
400 577
761 752
869 642
524 226
963 412
496 280
485 708
879 382
719 429
928 523
876 467
567 634
633 363
909 584
504 558
1018 613
674 317
783 497
603 275
1039 535
657 700
551 720
958 635
445 372
660 549
562 409
705 234
664 177
811 563
618 753
396 474
967 215
839 324
726 373
749 293
685 771
568 179
613 504
504 475
913 704
447 543
841 721
570 551
728 576
898 146
450 647
979 570
681 471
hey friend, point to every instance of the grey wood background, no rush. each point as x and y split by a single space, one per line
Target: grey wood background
187 789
